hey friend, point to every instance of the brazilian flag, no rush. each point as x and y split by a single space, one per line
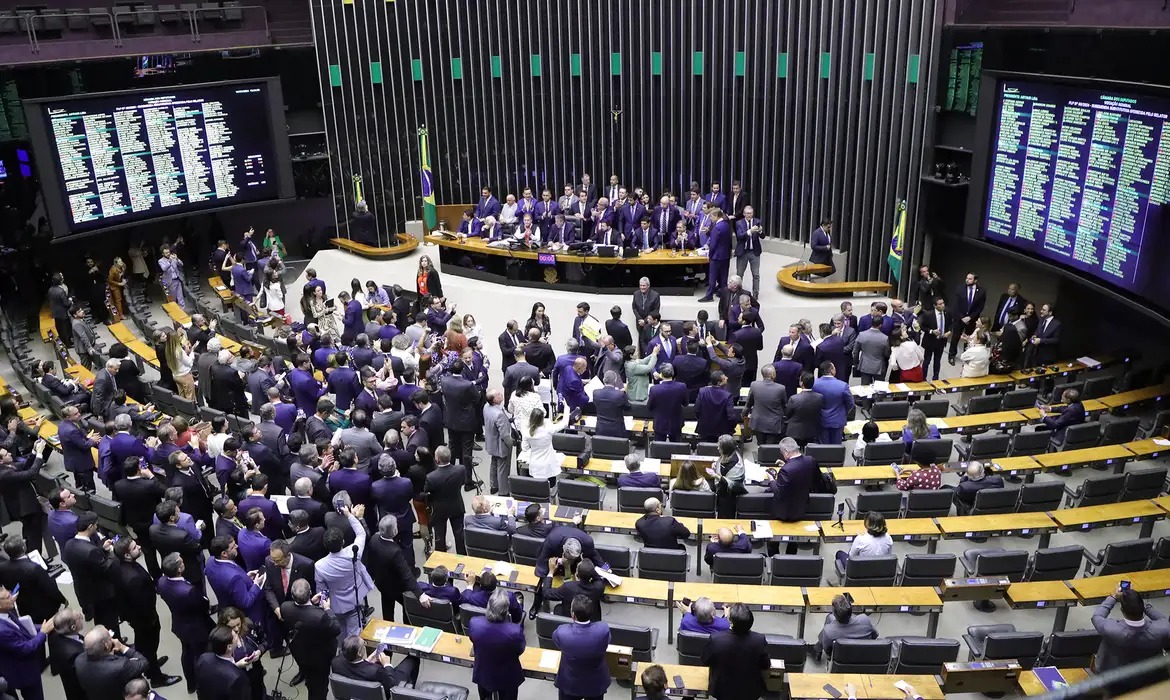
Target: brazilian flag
894 259
430 214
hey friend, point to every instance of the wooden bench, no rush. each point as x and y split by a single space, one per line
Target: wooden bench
795 279
406 244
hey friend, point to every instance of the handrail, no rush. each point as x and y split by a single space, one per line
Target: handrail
31 30
192 17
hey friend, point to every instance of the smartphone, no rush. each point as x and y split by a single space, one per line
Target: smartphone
685 601
16 590
1124 585
848 597
459 569
833 692
381 648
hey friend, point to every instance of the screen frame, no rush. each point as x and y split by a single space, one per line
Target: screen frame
980 181
49 175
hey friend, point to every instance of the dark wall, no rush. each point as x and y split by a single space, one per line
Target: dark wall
826 117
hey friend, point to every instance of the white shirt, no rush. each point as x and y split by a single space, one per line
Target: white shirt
186 361
866 545
215 444
543 461
908 355
508 213
976 361
274 295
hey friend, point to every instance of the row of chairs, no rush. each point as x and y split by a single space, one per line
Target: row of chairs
141 17
1045 496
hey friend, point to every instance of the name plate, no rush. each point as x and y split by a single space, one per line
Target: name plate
973 588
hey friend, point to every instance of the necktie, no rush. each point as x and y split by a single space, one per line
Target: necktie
750 235
645 239
284 578
970 297
663 226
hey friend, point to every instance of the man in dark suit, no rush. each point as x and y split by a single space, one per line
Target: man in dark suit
77 444
39 596
107 665
138 599
969 303
802 349
509 340
140 493
303 498
430 417
936 327
747 245
305 540
617 329
260 380
561 230
313 629
788 370
21 652
1010 301
352 662
715 410
566 544
802 415
718 255
583 671
790 486
167 538
690 369
519 368
198 494
190 614
1046 339
389 567
283 568
1011 344
1058 419
737 659
104 386
538 353
665 403
460 399
216 673
821 243
646 301
65 645
764 412
660 531
611 403
832 349
91 565
258 498
974 481
444 493
877 318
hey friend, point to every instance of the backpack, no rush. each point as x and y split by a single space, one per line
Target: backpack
824 482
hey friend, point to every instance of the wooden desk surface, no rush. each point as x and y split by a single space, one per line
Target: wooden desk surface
905 598
634 425
1084 518
176 313
527 576
456 648
694 678
1125 398
904 529
892 392
1091 406
480 246
1012 465
634 589
1040 594
1022 523
608 467
121 333
867 687
1146 449
767 596
718 593
624 522
1096 588
997 419
1163 502
820 599
218 287
864 475
801 530
1089 455
1030 685
966 383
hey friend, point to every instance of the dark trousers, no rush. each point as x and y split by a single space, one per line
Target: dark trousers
146 635
316 681
767 438
105 613
958 330
33 530
509 694
149 553
562 695
832 436
406 541
191 650
931 360
84 480
842 558
64 331
462 444
717 275
439 523
35 691
666 437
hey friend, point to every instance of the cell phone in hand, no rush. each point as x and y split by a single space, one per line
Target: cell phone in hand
686 602
1124 585
848 597
381 649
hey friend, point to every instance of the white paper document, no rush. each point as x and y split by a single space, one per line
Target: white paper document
1088 361
281 502
591 386
650 464
753 473
550 659
763 530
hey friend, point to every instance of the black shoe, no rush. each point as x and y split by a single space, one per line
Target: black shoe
951 360
164 680
277 653
162 660
297 679
707 300
495 492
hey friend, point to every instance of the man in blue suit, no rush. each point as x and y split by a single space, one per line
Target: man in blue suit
216 674
21 651
190 613
802 351
77 447
242 281
125 445
1058 420
715 410
821 243
305 387
718 254
258 498
561 231
668 344
354 321
232 585
747 248
716 196
583 673
642 236
877 310
692 370
611 403
570 385
665 217
488 205
788 370
838 404
665 404
570 545
343 382
832 349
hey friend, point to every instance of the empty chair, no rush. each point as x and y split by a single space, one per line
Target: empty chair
889 410
1096 491
793 652
690 647
525 549
861 656
692 504
232 12
932 450
992 446
662 564
639 410
991 502
184 407
1040 497
1161 558
887 503
580 494
867 571
767 454
527 488
610 447
923 655
883 453
984 404
994 561
1003 643
643 640
934 408
620 559
632 499
665 450
168 13
1157 425
821 506
926 569
1140 484
1120 431
796 570
1026 444
745 569
707 449
1016 399
570 443
1056 563
346 688
109 514
756 506
487 544
927 503
1120 557
1096 387
826 455
1075 437
1070 649
440 614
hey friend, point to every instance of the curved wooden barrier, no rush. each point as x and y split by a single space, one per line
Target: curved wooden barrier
406 244
794 279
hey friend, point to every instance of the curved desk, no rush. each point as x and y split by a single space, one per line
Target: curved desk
406 244
669 273
794 278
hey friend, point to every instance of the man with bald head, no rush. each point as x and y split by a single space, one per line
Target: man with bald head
974 481
658 530
727 541
571 386
107 665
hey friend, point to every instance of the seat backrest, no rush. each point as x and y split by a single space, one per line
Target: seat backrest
1059 389
640 639
640 409
861 656
793 652
1035 442
1096 387
527 488
934 408
1144 483
690 647
525 549
797 570
1019 398
928 503
440 614
821 506
569 443
767 454
1161 420
620 559
826 455
753 505
632 499
662 564
606 446
1022 646
925 656
1098 490
984 404
663 450
467 613
990 446
889 410
932 450
1120 430
888 503
732 567
692 504
1069 648
488 544
353 689
401 692
1161 558
582 494
109 514
546 624
1009 563
1082 435
884 453
996 501
871 571
1124 557
707 449
1057 563
1040 497
927 569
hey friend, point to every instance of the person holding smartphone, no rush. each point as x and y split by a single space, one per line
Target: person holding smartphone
843 623
1143 631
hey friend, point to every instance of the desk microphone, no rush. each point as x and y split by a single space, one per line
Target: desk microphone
840 514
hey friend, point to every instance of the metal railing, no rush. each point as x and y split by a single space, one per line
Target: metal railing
191 16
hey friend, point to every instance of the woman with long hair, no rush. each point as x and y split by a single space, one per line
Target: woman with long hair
538 320
375 295
116 280
874 542
638 371
454 339
245 645
689 479
307 304
470 329
917 428
426 282
358 293
326 316
181 358
905 357
520 406
543 461
274 294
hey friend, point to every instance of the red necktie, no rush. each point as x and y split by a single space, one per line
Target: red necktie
284 578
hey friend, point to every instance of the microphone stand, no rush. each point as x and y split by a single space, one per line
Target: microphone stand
840 525
276 694
359 605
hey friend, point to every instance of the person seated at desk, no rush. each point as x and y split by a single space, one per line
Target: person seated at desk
1058 419
727 541
643 237
1144 633
481 587
917 428
700 617
658 530
653 683
564 549
68 390
926 476
635 478
469 226
139 415
440 586
974 481
561 232
481 517
606 235
681 238
870 433
528 232
689 479
490 230
353 663
874 542
586 582
842 624
535 523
